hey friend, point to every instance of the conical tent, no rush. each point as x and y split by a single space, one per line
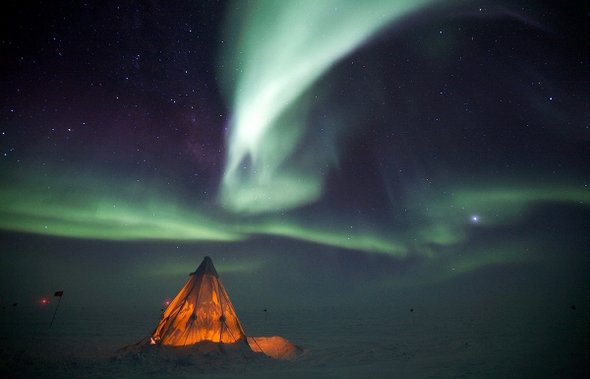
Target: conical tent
201 311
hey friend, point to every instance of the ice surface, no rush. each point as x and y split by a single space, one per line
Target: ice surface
338 343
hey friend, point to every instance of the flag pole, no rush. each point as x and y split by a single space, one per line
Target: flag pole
60 295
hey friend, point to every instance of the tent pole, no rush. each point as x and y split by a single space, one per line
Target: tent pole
55 312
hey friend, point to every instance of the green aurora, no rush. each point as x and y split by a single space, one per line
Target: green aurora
274 56
271 181
123 211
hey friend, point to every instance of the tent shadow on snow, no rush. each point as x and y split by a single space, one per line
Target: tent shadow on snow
201 320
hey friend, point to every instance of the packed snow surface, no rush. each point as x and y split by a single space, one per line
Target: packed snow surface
337 343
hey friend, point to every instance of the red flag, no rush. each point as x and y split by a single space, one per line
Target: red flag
58 293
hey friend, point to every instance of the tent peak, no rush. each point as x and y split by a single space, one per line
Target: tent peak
206 268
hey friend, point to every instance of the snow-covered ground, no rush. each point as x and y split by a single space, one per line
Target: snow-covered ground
338 343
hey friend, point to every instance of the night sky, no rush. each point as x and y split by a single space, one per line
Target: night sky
394 153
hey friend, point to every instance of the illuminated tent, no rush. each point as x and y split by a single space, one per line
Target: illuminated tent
201 311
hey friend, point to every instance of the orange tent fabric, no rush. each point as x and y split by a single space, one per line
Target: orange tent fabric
201 311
